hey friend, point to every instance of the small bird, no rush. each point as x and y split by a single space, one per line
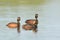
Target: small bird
31 24
15 24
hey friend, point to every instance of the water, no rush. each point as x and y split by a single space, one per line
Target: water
49 21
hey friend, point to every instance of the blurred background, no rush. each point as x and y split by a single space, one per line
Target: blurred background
48 15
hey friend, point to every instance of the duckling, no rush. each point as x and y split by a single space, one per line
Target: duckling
15 25
32 21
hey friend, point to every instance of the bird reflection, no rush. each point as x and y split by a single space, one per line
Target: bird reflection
31 24
35 29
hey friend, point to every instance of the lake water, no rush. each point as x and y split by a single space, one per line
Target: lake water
48 16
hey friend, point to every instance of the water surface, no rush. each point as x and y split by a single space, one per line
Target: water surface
49 21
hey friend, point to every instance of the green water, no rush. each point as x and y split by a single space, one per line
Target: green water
20 2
